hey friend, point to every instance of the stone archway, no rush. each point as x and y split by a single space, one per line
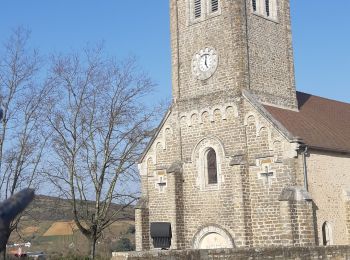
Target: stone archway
212 237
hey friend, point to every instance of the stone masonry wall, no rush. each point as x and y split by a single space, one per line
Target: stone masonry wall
270 70
285 253
176 208
267 150
162 152
271 63
224 33
142 229
219 205
297 223
329 182
302 223
244 203
348 218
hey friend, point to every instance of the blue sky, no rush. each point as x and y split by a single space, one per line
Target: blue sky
141 28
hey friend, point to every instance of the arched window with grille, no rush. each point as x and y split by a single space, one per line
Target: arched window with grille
197 9
201 10
212 169
265 8
214 6
254 5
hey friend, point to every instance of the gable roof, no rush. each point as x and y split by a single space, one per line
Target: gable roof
321 123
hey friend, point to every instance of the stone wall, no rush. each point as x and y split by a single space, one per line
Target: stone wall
254 52
348 217
302 223
285 253
222 32
142 228
266 151
244 204
271 63
329 184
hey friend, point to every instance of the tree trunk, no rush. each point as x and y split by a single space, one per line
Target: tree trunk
92 248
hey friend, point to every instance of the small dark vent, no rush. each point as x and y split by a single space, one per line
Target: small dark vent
267 5
214 6
254 5
197 8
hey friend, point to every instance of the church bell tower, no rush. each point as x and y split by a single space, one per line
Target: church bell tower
221 47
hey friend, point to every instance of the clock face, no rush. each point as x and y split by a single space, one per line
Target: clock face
204 63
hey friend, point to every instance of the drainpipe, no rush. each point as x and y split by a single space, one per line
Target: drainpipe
305 154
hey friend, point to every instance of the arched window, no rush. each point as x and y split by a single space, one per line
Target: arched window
327 234
212 169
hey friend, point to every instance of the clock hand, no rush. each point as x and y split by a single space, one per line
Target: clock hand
206 58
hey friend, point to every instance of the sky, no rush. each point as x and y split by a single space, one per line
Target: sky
321 36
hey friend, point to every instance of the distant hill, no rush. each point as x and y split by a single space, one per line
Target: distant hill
47 208
48 225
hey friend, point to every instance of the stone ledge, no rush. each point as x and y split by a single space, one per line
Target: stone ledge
287 253
237 160
175 167
295 194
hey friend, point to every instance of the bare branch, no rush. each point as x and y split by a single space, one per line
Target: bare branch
23 97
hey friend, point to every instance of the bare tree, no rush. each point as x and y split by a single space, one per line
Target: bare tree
98 123
22 99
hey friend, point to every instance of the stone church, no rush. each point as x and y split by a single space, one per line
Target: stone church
241 159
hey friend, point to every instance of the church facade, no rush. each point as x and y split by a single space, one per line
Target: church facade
242 159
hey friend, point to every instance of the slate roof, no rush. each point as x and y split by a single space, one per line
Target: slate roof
321 123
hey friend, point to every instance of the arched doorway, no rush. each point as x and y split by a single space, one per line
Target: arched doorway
212 237
213 241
